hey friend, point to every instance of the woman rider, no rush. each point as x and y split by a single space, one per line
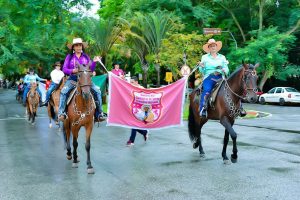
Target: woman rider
212 66
69 68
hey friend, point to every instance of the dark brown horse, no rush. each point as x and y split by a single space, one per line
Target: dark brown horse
32 102
80 113
241 84
54 103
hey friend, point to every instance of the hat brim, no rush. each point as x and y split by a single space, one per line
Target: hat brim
218 43
84 44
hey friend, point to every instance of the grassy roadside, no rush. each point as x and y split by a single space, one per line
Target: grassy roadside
251 114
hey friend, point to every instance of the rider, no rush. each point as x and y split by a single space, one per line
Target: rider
212 66
56 76
31 78
69 68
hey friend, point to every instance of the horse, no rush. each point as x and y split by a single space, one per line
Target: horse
53 104
32 102
80 112
241 84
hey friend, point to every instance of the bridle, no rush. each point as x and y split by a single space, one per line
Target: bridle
246 79
79 73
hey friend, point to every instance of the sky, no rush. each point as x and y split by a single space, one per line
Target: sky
92 12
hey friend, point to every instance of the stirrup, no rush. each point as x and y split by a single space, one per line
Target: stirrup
101 117
203 112
62 117
243 112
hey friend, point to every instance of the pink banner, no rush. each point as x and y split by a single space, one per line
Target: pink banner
134 107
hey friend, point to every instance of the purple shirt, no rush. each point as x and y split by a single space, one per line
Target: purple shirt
70 63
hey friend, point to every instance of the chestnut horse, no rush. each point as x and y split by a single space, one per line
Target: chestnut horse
32 102
240 85
80 112
53 104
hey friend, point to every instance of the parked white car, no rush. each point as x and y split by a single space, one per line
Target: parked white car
280 95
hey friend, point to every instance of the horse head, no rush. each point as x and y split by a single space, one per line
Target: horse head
32 90
250 82
84 75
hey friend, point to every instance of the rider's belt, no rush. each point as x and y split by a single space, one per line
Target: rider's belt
215 74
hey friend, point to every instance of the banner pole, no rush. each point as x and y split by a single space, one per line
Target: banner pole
103 65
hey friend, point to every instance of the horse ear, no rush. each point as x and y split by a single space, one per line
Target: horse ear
244 64
256 65
90 63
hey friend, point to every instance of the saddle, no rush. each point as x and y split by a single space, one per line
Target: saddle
213 95
72 93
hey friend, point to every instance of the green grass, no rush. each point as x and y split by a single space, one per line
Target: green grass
250 114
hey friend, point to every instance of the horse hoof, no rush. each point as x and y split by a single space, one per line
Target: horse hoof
233 160
202 155
74 165
227 162
91 171
33 123
195 145
50 125
69 157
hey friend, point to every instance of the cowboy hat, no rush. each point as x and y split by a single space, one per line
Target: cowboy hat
57 63
212 41
77 41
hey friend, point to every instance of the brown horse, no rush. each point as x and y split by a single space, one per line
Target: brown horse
53 104
80 113
241 84
32 102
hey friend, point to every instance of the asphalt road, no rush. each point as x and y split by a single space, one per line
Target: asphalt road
34 164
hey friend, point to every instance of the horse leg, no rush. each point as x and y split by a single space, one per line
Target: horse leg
226 139
228 126
67 134
90 168
33 117
202 154
49 115
75 145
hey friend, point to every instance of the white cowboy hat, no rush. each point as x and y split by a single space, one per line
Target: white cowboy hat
77 41
212 41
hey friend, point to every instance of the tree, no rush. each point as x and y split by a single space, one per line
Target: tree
270 49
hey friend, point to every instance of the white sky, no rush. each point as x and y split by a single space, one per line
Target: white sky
90 13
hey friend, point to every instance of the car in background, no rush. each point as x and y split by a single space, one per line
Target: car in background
281 95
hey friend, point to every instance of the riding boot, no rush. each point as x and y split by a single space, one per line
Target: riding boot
243 112
99 114
62 107
203 112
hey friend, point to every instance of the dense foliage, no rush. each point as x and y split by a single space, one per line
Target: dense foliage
151 36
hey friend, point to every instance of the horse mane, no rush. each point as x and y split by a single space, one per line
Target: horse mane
237 70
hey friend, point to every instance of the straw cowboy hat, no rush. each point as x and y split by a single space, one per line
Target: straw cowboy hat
77 41
212 41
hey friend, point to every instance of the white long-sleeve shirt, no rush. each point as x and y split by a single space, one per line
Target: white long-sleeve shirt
56 76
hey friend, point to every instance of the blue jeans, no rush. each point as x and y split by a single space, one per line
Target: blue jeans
50 90
208 85
133 134
68 87
26 90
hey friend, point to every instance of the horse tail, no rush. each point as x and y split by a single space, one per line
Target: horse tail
193 126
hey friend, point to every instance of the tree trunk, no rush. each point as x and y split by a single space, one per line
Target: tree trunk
145 74
263 80
157 67
260 14
235 21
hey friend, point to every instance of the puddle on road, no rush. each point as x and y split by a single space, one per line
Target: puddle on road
280 169
171 163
